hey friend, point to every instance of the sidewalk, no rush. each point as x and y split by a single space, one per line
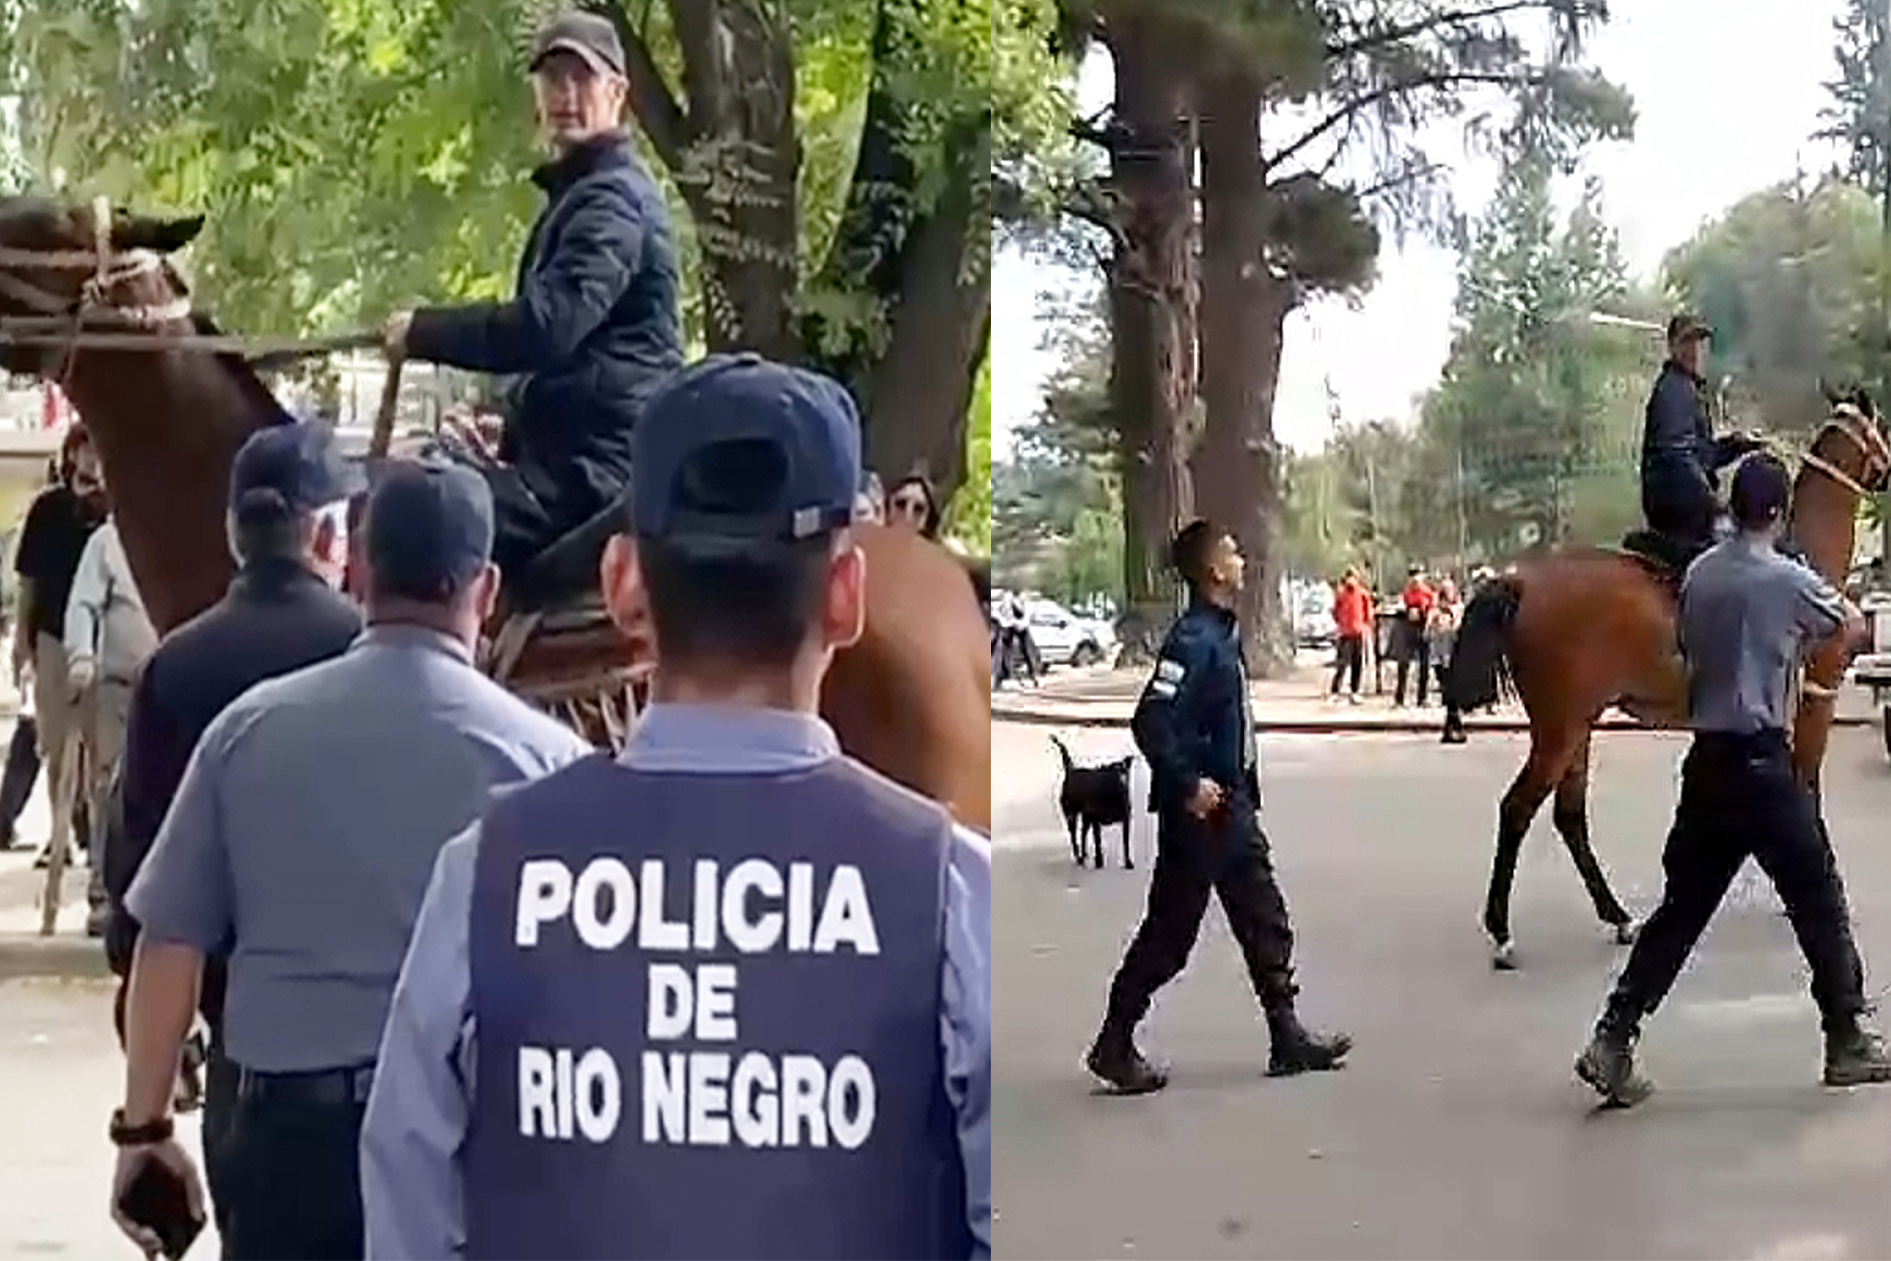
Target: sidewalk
1295 702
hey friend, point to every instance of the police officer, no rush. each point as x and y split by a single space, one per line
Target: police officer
289 493
1747 616
1681 458
1194 727
300 843
731 992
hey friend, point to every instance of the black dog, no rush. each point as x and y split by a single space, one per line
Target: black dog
1093 798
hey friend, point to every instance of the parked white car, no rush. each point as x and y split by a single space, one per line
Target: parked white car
1063 638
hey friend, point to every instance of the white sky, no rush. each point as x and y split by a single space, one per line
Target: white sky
1726 97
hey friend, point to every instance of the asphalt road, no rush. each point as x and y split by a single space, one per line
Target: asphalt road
1458 1130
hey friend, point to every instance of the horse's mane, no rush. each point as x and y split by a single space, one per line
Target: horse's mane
261 397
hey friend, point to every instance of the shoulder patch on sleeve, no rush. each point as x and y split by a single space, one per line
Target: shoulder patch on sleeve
1169 670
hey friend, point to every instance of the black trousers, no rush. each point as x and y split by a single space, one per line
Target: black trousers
1739 798
291 1171
22 768
1349 655
220 1078
1417 653
1229 858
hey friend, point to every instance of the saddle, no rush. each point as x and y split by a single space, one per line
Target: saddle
553 643
1664 555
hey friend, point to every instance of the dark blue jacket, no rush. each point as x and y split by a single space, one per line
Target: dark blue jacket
593 329
1193 720
1680 457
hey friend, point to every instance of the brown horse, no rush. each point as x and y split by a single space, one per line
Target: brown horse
1575 632
910 699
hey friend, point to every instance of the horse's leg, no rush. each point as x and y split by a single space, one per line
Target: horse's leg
1550 751
1571 815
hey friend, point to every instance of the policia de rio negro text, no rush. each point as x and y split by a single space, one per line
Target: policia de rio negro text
1194 726
1747 615
729 993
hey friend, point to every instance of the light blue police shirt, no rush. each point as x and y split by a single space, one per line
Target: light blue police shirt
418 1113
306 827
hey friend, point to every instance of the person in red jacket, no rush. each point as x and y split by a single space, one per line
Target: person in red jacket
1352 618
1415 607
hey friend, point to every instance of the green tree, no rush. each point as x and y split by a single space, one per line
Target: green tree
1788 277
353 156
1532 424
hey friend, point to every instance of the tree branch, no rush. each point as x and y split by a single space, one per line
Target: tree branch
1359 105
658 113
1393 34
1410 175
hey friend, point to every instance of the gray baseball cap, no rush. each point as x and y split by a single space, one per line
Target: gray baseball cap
589 35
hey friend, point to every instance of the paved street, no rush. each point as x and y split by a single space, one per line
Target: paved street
1458 1130
60 1077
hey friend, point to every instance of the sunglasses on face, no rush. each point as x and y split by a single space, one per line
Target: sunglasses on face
912 505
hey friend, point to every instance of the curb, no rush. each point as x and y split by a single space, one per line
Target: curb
66 956
1337 725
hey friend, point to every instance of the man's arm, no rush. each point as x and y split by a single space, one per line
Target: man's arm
559 304
417 1112
965 1022
28 566
182 898
1168 698
1821 611
1673 435
85 607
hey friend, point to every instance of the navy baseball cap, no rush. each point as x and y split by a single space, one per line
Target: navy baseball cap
737 454
429 528
1761 490
293 469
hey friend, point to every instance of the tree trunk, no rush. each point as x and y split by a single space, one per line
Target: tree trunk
1152 296
738 169
1236 466
912 358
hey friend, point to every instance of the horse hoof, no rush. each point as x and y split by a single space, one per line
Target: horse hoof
1503 956
1625 933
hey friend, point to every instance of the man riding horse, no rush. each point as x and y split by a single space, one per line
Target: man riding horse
593 329
1681 458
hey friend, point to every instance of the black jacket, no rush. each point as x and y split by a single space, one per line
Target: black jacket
1680 456
593 329
276 618
1193 720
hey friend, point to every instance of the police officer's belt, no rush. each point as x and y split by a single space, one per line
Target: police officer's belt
331 1086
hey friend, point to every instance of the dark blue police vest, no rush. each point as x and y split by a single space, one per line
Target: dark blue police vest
793 1105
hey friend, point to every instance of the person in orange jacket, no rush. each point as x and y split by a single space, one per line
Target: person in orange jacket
1352 617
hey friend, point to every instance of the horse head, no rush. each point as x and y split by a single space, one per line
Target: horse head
62 264
1852 447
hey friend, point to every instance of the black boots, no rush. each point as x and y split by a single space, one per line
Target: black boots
1115 1061
1297 1050
1855 1056
1607 1064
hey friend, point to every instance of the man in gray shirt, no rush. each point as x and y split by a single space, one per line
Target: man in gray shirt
1748 616
301 842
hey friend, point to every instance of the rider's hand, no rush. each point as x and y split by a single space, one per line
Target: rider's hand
394 334
1206 799
130 1161
81 674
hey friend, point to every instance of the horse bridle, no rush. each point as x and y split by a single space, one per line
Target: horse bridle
1863 432
110 268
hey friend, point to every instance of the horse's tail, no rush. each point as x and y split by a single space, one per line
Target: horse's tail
1063 753
1479 673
